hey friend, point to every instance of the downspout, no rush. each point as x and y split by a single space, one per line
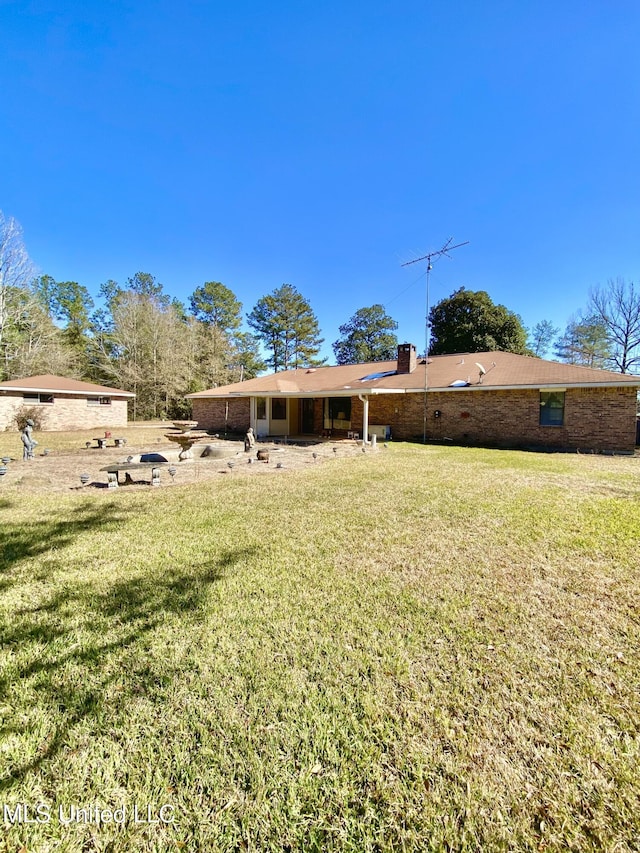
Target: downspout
365 417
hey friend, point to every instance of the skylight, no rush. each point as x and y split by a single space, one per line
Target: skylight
372 376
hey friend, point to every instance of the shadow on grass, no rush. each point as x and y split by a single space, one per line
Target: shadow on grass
26 540
81 642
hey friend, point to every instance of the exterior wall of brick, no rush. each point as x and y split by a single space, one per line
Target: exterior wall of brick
601 419
9 405
407 358
67 412
212 414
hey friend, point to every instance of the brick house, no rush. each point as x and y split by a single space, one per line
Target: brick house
65 403
489 398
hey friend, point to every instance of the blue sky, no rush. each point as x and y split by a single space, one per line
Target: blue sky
323 144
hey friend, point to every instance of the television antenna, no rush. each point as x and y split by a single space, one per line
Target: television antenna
429 258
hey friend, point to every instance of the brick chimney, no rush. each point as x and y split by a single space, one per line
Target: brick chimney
407 359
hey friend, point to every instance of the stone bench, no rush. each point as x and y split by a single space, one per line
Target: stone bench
101 443
113 472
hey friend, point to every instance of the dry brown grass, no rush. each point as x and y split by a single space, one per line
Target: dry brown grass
421 649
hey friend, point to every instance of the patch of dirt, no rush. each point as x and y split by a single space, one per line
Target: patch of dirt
59 471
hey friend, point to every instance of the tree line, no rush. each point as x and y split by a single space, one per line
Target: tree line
605 335
140 339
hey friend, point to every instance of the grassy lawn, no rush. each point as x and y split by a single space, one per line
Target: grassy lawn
425 649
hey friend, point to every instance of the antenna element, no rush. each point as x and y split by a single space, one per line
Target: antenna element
429 257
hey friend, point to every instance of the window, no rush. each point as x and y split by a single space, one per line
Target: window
551 408
261 408
278 409
30 399
98 401
337 413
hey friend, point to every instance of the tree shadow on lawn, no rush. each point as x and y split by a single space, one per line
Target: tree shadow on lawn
69 681
26 540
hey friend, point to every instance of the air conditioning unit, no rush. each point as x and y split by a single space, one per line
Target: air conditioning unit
381 431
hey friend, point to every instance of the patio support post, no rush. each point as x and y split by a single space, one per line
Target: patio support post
365 417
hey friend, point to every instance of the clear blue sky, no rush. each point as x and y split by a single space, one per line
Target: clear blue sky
323 144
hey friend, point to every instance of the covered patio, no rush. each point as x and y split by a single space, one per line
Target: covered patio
335 415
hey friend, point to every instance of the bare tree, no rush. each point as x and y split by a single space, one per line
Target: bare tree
617 307
16 273
40 348
142 349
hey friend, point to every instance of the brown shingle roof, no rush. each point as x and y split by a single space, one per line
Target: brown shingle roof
51 384
503 370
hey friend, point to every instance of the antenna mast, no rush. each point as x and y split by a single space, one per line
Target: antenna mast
429 257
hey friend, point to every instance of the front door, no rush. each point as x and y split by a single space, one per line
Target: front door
260 421
306 416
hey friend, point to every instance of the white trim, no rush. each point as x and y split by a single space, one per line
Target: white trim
534 387
106 392
354 392
27 398
364 399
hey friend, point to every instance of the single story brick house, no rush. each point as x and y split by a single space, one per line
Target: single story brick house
65 403
488 398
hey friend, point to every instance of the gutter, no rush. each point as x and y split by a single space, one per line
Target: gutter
90 392
372 392
547 386
341 392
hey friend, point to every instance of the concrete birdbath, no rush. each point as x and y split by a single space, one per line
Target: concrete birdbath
185 426
186 440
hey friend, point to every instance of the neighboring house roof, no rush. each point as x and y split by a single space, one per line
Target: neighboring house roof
49 384
503 370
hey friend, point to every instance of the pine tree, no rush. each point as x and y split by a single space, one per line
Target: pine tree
584 342
287 328
368 336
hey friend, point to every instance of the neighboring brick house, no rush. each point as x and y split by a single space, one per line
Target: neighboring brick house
65 404
488 398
